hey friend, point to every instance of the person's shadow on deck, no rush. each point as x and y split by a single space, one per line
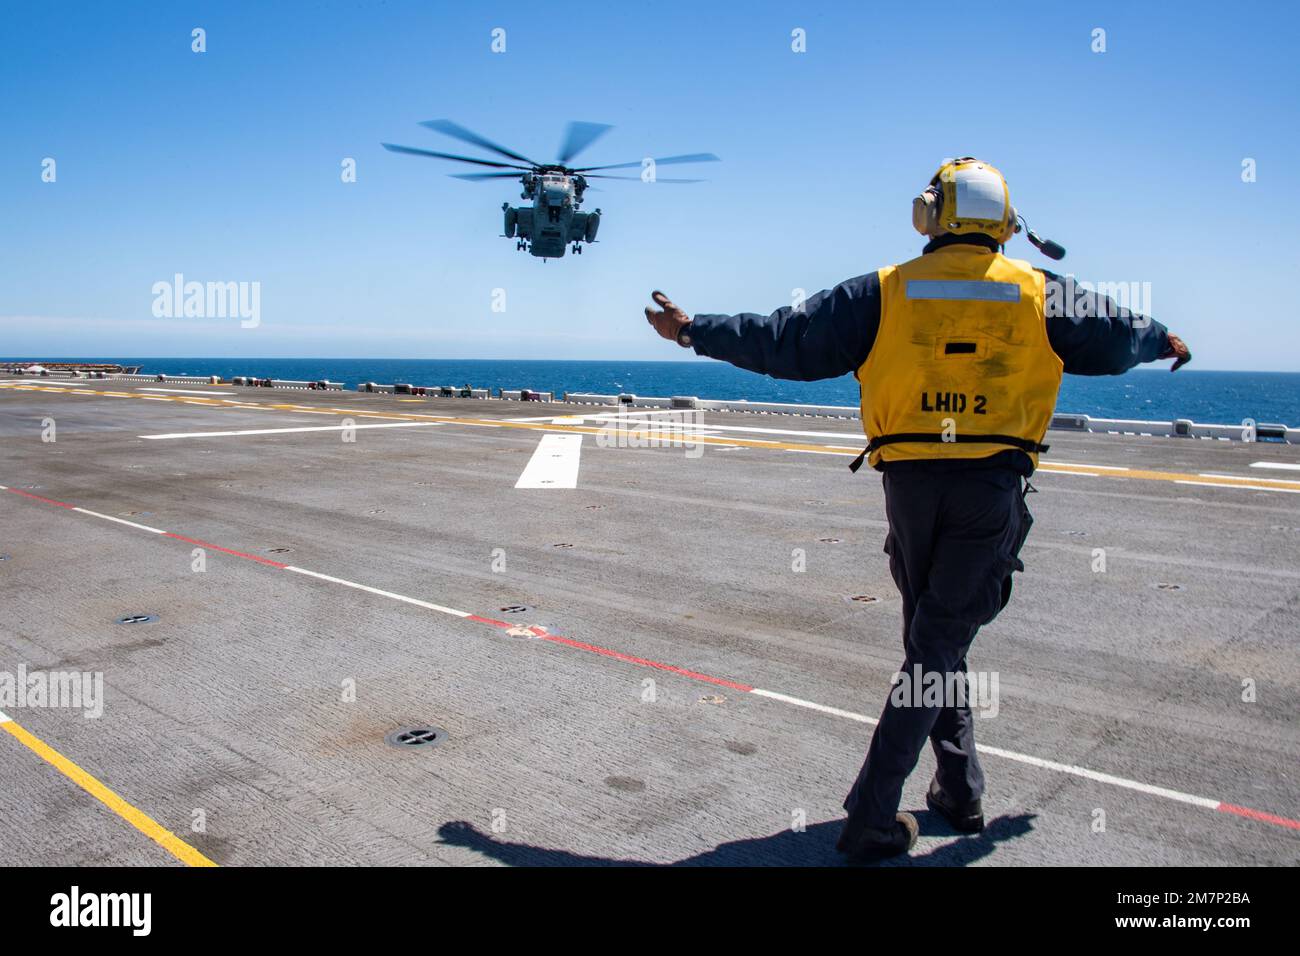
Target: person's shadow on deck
813 847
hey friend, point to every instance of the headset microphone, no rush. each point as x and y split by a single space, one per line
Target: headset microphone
1047 247
1053 250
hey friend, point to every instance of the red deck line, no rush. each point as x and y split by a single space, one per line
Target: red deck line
217 547
616 655
488 620
48 501
619 655
1259 815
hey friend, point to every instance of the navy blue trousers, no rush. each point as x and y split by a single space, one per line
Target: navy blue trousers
954 540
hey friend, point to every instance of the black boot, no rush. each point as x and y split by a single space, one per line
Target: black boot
963 817
860 843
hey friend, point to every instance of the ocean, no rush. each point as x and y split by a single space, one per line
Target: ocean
1148 393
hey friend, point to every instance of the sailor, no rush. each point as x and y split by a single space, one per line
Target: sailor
958 354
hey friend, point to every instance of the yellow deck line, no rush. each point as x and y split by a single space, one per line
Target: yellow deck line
1280 484
137 818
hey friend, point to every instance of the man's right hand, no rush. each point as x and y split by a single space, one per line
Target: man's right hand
1177 350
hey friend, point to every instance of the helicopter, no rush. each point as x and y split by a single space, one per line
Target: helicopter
554 220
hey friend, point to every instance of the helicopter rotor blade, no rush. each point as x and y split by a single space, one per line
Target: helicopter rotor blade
578 137
475 177
657 179
448 128
665 161
413 151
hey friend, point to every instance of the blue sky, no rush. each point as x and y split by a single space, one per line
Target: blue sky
225 165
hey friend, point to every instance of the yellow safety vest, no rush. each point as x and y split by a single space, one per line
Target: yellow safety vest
961 366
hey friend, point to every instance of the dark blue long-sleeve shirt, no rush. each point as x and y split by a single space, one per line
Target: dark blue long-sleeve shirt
834 331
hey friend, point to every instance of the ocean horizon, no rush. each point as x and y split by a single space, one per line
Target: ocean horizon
1146 393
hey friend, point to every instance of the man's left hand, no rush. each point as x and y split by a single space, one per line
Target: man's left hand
669 319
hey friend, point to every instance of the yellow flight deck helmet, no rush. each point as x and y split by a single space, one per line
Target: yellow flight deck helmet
965 196
968 195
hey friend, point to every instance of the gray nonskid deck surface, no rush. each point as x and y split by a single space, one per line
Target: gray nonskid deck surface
232 703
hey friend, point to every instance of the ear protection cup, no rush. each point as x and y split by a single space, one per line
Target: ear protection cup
925 211
1013 226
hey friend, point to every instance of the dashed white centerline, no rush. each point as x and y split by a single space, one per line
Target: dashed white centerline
129 524
1099 777
1076 771
428 605
1282 465
812 705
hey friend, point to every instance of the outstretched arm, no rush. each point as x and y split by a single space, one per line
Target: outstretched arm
830 335
1093 335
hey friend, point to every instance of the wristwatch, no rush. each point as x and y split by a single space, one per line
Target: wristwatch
684 336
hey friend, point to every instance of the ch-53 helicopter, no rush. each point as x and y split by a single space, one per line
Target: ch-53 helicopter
554 220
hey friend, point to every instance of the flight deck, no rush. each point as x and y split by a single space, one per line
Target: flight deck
340 628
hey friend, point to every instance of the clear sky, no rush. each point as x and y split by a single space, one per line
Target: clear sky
225 165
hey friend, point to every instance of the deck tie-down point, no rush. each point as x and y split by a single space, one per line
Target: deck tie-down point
421 736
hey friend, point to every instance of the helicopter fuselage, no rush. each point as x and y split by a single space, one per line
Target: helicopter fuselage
553 221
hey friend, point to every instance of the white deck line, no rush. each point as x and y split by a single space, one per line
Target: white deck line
1032 761
554 464
428 605
130 524
1215 484
280 431
1282 481
1084 464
